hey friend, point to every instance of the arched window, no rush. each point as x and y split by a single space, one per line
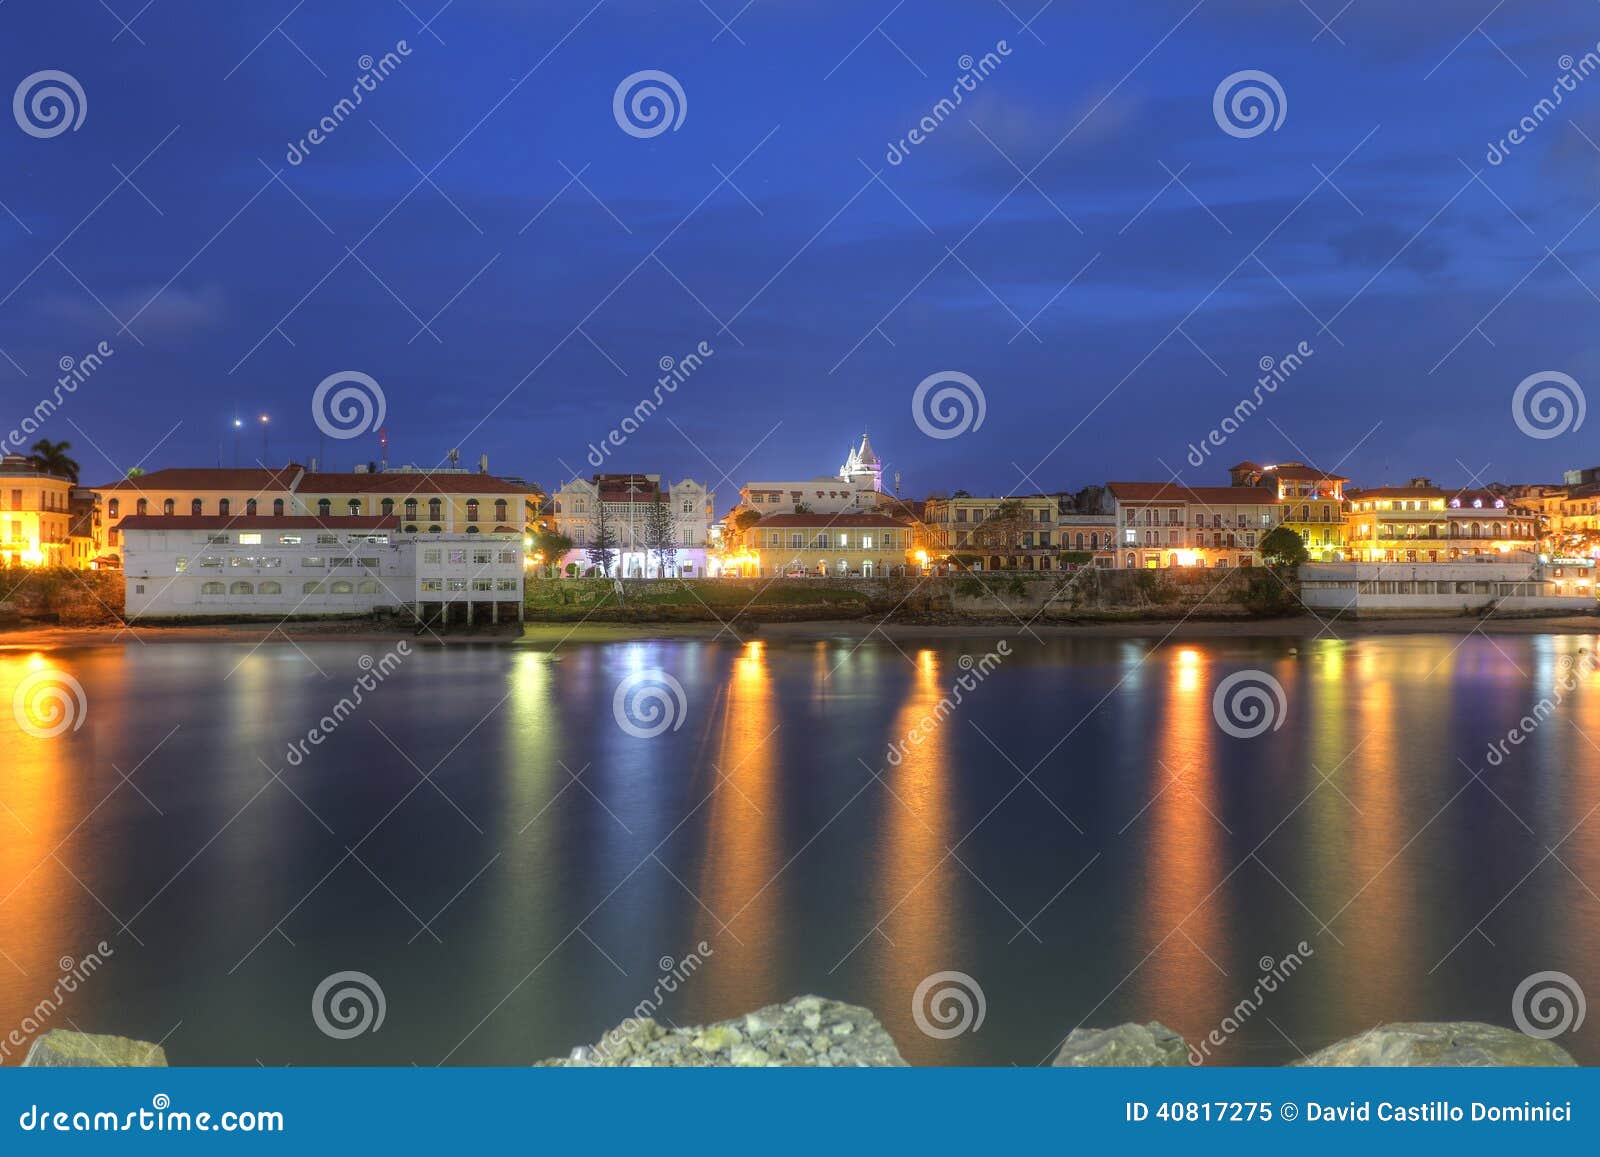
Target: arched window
222 507
1080 540
167 507
472 530
270 588
472 510
311 588
411 508
250 507
197 507
342 587
434 508
387 506
241 588
367 587
142 506
500 509
324 507
434 529
212 588
114 507
1130 562
277 507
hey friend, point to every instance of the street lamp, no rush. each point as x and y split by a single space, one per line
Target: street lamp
265 460
236 426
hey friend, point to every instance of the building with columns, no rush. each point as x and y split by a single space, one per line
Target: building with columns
625 500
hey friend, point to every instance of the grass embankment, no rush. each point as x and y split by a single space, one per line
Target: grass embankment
671 600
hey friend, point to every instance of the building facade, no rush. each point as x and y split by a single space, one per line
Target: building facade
624 500
1312 503
1012 533
841 545
1161 524
857 487
1422 522
1400 588
35 515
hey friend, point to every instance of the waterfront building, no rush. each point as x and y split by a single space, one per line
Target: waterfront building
857 486
190 492
1312 501
994 533
1360 589
1421 522
425 502
35 515
626 500
1162 524
842 545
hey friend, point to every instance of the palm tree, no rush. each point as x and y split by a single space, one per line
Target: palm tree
51 458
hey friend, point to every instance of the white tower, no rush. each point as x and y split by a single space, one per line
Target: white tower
861 465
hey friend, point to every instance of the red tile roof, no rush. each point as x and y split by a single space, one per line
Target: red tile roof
243 480
1300 472
1196 495
401 482
256 522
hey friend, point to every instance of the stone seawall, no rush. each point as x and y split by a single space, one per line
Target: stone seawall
57 596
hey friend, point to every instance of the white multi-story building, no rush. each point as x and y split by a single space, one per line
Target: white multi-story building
179 566
1161 524
626 500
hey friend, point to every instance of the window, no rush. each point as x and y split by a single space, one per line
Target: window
387 507
866 542
369 563
432 555
219 539
222 507
167 506
433 584
435 508
311 588
250 507
277 507
270 588
313 562
482 557
342 587
114 507
366 587
458 556
505 584
327 540
241 588
500 509
289 539
142 506
411 508
354 506
472 510
249 540
458 584
324 507
482 584
212 588
210 561
509 557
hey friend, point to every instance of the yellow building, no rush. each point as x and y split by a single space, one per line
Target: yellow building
1426 523
1312 501
1017 533
35 515
821 545
187 491
1162 524
431 502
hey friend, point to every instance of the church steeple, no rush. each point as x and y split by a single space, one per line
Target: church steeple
862 465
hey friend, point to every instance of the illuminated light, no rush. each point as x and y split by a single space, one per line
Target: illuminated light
1189 657
1184 557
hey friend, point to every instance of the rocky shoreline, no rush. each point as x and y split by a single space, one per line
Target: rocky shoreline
814 1032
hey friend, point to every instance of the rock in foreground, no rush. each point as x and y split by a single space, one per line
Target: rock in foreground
1152 1045
61 1049
1440 1044
805 1031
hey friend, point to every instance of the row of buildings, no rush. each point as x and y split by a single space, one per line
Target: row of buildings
840 524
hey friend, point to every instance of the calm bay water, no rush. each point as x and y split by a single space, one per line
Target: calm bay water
528 894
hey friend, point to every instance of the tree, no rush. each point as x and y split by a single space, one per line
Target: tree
661 534
552 546
136 472
802 508
602 551
1284 547
745 519
1002 531
51 458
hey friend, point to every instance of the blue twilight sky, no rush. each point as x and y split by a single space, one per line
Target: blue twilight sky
556 259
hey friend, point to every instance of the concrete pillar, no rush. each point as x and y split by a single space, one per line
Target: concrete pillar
469 612
494 612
